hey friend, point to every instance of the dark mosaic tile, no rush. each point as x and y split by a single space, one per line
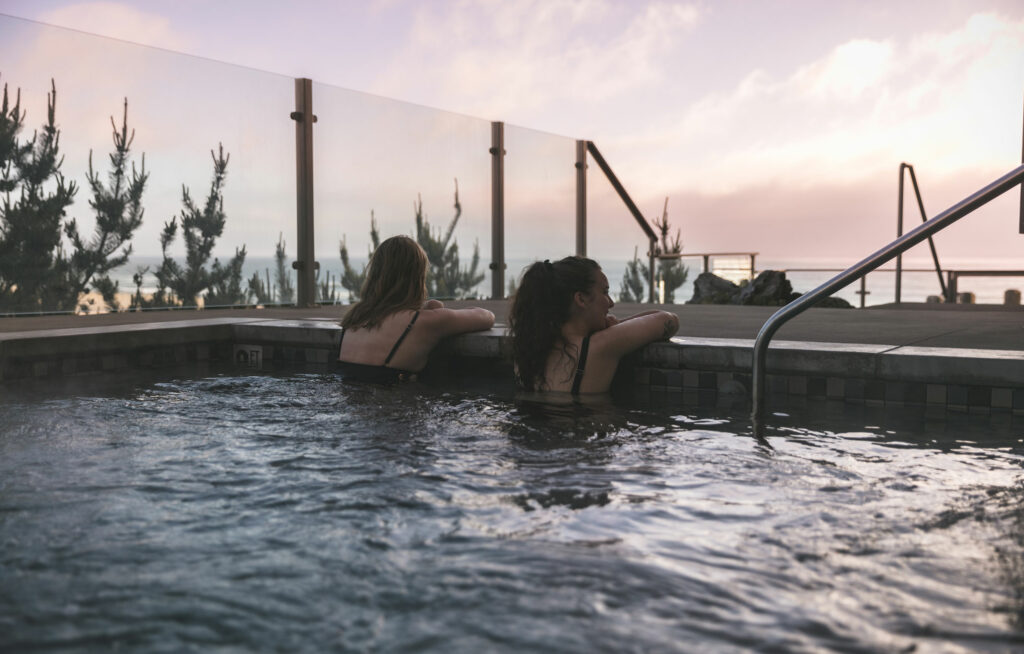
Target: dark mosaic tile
915 392
874 390
894 391
674 379
855 389
979 396
1018 398
956 395
817 387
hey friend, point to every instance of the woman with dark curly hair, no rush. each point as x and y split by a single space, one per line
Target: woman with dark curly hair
387 336
564 339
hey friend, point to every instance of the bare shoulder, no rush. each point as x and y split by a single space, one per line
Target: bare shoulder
636 332
449 322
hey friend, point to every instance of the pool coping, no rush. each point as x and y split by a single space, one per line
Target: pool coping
958 378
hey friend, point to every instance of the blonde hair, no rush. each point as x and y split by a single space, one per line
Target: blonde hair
396 280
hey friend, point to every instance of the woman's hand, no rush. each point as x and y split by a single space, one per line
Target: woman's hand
610 320
433 304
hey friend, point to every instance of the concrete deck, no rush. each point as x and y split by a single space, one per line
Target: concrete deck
984 327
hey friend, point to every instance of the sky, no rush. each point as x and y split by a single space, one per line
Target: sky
775 127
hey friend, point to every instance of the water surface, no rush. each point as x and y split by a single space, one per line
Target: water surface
293 512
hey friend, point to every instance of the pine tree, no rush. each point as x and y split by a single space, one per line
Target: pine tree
31 274
263 292
351 280
634 280
285 289
444 276
118 208
200 229
671 271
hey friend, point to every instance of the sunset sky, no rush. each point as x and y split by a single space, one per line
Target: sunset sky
774 126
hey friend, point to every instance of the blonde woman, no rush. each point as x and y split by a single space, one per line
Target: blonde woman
387 336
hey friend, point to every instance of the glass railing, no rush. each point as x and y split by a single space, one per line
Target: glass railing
540 199
192 121
614 238
380 168
403 169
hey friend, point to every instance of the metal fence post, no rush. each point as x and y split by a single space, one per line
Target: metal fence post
899 233
581 198
304 263
651 259
497 210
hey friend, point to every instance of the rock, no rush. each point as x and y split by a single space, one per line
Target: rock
831 303
770 288
709 288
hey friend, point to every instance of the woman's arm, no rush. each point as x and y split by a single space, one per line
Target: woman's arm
612 320
637 331
450 322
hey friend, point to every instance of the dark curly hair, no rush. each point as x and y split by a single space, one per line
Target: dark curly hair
540 307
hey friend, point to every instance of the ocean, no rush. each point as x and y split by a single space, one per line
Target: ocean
919 277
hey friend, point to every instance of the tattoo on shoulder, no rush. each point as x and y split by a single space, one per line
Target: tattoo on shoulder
668 330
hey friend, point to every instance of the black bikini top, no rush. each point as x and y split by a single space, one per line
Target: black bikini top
382 374
580 365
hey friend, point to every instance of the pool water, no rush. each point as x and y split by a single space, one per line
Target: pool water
293 512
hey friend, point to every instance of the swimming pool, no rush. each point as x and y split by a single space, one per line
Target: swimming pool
292 512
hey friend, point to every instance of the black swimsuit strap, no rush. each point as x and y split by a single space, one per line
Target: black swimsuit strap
402 337
580 365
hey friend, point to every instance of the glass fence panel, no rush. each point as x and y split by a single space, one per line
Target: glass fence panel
919 284
191 121
614 236
397 165
540 199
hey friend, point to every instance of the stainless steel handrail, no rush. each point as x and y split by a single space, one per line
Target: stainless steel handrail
628 201
899 232
887 253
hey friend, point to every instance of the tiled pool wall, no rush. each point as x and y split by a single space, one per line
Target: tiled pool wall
704 387
939 379
692 371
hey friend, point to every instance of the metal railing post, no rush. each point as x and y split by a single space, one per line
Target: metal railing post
651 254
497 210
840 281
581 198
628 201
304 263
899 233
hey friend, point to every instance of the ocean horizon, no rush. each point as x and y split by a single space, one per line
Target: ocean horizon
804 273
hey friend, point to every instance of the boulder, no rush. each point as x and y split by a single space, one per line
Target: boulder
770 288
709 288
